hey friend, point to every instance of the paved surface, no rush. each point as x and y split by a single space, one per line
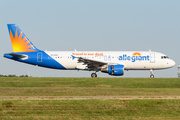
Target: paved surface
59 97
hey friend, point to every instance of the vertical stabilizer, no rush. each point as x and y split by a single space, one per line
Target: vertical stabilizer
20 42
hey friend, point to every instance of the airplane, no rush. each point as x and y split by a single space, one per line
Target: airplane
111 62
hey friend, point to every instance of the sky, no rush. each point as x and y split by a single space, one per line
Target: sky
91 25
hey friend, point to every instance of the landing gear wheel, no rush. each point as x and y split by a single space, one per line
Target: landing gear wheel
151 76
151 73
93 75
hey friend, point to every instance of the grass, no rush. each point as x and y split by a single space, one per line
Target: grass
89 82
89 87
89 108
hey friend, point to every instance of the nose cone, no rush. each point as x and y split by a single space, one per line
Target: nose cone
172 63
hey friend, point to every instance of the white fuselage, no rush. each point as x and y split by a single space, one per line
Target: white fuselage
140 60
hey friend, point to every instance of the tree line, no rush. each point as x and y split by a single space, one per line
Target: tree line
13 76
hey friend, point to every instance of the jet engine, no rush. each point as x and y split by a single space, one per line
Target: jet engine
116 70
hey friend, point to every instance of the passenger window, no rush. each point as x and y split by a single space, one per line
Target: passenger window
109 58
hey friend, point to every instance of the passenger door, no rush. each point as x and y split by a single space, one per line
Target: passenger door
39 57
152 57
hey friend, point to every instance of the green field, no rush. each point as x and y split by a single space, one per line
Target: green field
64 105
18 86
90 109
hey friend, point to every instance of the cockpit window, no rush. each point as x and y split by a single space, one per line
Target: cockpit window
164 57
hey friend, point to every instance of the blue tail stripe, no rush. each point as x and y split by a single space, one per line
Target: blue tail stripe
26 40
33 48
23 35
13 27
47 61
29 43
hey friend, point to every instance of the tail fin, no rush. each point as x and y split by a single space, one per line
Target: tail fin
20 42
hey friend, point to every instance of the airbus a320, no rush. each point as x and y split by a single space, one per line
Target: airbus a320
111 62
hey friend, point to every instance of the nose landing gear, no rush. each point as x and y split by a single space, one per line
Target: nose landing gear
151 71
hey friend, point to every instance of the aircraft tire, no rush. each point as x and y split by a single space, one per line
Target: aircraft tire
151 76
93 75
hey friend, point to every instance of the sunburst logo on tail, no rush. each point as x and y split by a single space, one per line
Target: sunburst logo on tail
20 44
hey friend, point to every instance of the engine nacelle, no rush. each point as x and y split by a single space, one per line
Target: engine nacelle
116 70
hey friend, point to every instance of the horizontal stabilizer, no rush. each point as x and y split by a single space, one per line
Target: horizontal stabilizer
11 55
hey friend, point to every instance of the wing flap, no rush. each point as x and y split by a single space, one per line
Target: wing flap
91 64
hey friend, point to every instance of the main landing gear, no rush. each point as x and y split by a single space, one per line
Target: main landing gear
151 71
93 75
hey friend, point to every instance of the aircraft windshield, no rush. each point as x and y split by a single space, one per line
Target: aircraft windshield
164 57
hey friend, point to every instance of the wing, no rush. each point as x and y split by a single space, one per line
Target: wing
92 64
